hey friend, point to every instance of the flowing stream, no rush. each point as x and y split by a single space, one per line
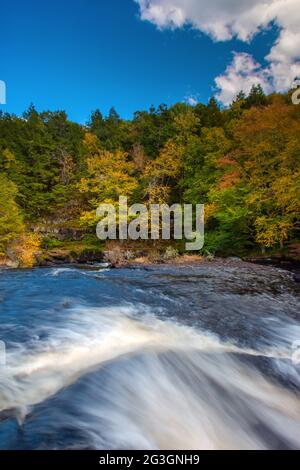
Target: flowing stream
202 357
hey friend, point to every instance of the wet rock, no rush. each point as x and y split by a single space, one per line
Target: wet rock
54 257
89 256
297 277
12 264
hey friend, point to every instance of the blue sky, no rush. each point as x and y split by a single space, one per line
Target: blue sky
79 55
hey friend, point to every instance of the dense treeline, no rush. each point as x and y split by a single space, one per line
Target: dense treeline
242 162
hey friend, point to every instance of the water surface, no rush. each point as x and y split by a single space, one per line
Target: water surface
160 358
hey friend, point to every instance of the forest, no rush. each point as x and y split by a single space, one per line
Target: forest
242 162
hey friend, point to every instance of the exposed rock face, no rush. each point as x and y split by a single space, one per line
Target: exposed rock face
8 263
56 257
58 230
297 277
294 251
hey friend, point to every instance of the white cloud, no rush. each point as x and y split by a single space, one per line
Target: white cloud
220 19
2 92
241 74
192 100
225 19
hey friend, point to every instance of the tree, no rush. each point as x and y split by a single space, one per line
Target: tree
109 175
265 162
11 220
166 173
96 123
242 162
256 97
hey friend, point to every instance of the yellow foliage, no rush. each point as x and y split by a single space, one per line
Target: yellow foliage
158 194
25 249
9 159
109 173
185 123
287 191
210 210
168 164
109 176
270 232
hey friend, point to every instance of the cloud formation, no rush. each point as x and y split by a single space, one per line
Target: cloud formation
192 100
243 19
241 74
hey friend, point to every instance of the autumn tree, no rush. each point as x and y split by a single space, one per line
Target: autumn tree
109 175
11 220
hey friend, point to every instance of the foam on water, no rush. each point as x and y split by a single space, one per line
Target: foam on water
167 385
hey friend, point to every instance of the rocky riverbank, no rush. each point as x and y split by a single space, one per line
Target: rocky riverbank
133 255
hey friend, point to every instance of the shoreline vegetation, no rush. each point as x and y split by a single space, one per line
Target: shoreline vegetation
242 163
133 257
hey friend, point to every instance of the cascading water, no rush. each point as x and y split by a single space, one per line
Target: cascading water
165 358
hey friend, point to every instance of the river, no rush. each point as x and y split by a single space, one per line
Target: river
194 357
